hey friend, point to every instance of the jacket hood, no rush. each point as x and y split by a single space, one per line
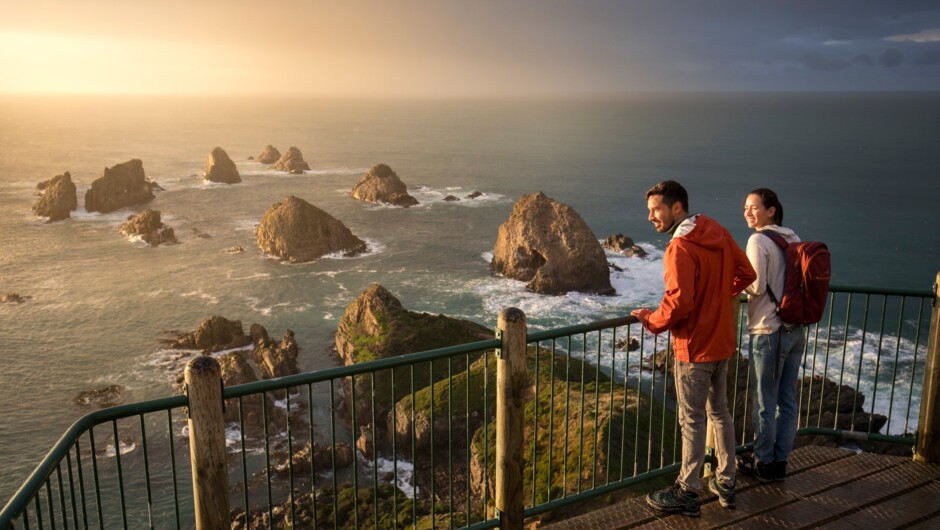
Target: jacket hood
703 231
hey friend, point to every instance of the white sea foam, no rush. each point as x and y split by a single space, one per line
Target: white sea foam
373 247
247 225
258 275
126 447
200 294
427 195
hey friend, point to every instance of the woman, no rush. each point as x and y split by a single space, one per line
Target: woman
776 348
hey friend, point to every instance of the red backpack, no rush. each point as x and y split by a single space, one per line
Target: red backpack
806 280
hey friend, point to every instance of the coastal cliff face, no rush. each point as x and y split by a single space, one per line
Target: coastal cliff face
221 168
291 161
269 155
547 244
119 187
149 227
381 184
298 231
58 198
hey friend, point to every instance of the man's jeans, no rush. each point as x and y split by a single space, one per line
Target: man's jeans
775 400
702 387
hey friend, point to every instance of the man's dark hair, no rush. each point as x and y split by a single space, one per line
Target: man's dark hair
672 193
769 198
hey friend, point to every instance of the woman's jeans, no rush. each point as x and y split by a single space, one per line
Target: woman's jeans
775 399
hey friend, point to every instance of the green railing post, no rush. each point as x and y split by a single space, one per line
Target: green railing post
510 393
928 426
207 443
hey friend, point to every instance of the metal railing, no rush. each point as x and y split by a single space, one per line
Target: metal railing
411 441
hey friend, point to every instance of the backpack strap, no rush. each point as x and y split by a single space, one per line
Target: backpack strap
782 244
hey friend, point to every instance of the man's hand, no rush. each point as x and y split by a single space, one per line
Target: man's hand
641 313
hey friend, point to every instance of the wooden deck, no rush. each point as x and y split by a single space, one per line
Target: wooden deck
825 487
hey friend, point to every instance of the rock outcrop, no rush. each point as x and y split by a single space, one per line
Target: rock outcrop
623 245
269 155
13 298
381 184
148 226
376 326
212 335
101 398
119 187
58 198
547 244
221 168
275 359
298 231
291 161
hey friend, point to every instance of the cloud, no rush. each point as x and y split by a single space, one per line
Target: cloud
819 62
891 58
863 59
927 35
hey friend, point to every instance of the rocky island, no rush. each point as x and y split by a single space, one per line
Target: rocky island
381 184
221 168
297 231
119 187
292 161
57 198
148 226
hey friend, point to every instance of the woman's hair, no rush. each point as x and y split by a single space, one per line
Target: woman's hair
770 200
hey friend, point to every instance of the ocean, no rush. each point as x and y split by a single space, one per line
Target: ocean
858 171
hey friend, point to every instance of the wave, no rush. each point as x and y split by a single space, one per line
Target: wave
200 294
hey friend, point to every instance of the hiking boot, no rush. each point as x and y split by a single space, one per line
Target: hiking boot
725 493
780 470
674 499
752 467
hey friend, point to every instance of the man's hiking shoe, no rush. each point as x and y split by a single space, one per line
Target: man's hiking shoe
674 499
750 466
780 470
725 493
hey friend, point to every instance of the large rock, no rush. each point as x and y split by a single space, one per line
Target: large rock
291 161
269 155
381 184
376 326
58 198
212 335
221 168
119 187
298 231
623 245
148 226
273 358
547 244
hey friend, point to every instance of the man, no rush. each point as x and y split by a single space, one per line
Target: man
776 347
703 269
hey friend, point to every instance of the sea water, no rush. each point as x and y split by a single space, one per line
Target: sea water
858 171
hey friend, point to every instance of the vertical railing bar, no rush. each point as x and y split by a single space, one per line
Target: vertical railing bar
639 393
49 503
68 463
81 483
38 510
375 450
845 347
649 457
120 472
143 436
897 354
597 402
861 357
675 428
809 401
825 372
910 393
799 408
394 451
313 461
567 405
662 439
26 517
94 467
881 336
535 425
267 455
176 496
431 438
468 435
63 509
414 442
450 440
584 362
354 429
623 416
747 387
551 424
610 403
741 320
241 435
290 461
333 451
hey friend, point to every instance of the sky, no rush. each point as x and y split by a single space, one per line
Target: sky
478 48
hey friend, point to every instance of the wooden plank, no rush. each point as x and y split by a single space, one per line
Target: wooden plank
896 511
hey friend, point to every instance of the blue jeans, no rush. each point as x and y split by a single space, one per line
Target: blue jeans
775 399
701 390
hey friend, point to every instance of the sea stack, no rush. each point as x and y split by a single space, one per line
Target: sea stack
57 198
119 187
292 161
221 168
547 244
148 226
297 231
381 184
269 155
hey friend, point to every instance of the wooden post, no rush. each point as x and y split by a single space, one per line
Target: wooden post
928 426
510 389
207 443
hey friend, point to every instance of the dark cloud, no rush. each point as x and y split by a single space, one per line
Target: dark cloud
863 59
928 58
822 63
891 58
